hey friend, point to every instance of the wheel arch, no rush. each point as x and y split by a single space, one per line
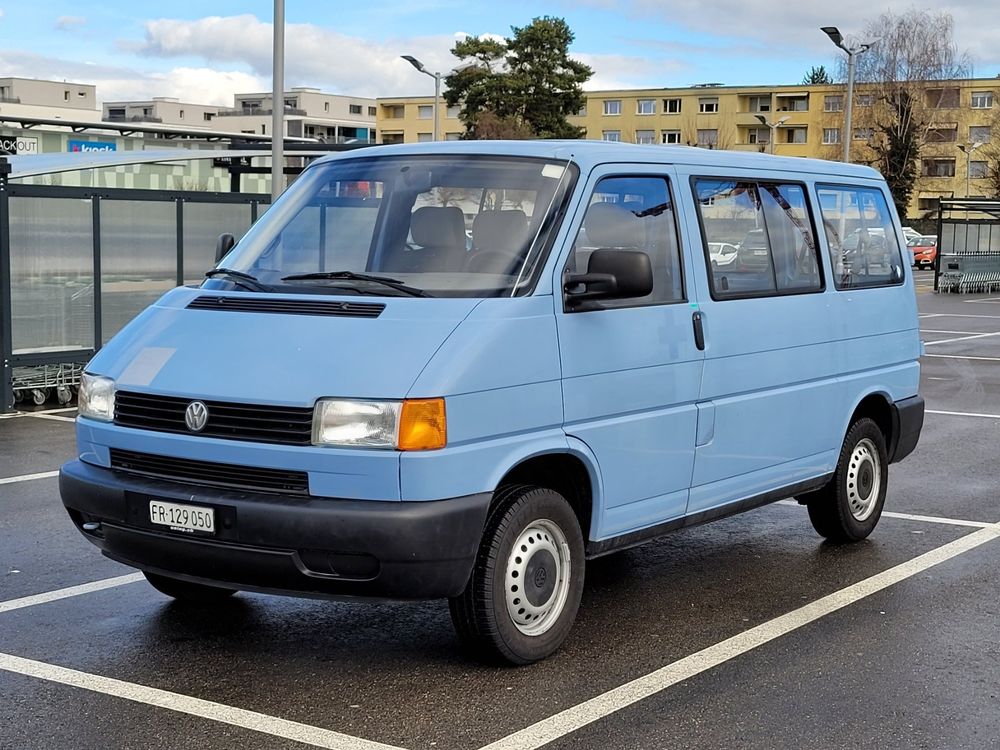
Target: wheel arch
878 406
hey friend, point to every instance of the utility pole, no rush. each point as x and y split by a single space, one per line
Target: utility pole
278 103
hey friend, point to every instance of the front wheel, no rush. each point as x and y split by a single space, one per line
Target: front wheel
525 588
849 507
185 591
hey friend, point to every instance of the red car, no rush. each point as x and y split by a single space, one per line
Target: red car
924 251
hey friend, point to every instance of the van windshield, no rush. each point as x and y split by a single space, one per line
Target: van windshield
441 226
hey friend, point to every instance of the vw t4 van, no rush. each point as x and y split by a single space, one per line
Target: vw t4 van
461 370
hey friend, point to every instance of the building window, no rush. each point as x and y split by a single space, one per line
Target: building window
943 98
646 107
612 106
863 134
928 204
979 133
452 112
392 137
291 103
425 112
795 135
355 109
978 170
208 116
982 99
395 112
708 105
942 135
759 136
833 103
708 138
613 136
65 96
326 106
938 168
760 103
425 137
582 112
453 136
672 106
794 104
114 112
831 136
670 136
645 136
864 100
182 114
250 104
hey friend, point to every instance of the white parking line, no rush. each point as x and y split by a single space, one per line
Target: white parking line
29 477
959 315
934 330
963 414
987 300
572 719
17 414
961 338
237 717
963 356
917 517
56 417
84 588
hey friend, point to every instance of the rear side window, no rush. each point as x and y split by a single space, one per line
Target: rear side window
633 213
759 238
859 230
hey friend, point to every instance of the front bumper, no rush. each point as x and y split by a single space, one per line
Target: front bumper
301 546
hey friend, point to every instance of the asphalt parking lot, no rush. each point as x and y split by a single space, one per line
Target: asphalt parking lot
750 632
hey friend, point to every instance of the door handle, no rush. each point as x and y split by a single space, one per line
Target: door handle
699 331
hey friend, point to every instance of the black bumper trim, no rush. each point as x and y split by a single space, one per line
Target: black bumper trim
908 420
302 546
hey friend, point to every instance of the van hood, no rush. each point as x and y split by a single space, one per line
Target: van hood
289 354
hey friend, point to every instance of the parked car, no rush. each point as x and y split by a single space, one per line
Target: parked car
924 251
723 253
909 233
354 403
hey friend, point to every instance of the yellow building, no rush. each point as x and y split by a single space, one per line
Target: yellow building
807 120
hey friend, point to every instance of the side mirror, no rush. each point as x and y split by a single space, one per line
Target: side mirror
611 274
223 245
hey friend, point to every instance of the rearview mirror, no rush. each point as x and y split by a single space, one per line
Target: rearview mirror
223 245
611 274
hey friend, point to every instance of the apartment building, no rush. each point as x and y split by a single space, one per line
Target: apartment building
161 109
309 113
794 120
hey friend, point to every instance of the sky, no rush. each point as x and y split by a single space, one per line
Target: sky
204 52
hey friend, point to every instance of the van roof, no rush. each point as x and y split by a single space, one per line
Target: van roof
588 154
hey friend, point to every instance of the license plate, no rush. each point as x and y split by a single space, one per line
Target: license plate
191 519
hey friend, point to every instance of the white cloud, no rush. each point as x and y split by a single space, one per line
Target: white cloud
627 71
314 56
67 23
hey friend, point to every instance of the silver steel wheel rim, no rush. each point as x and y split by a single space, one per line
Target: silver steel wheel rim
537 577
864 479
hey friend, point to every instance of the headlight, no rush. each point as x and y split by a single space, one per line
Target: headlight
97 397
410 425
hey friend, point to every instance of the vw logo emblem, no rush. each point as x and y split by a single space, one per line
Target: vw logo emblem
196 416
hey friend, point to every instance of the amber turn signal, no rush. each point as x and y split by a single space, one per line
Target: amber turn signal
422 425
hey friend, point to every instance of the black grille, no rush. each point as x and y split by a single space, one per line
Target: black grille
211 473
286 425
245 303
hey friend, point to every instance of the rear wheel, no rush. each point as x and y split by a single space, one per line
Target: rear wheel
525 588
186 591
849 507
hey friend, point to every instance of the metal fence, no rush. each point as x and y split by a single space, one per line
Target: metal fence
76 264
968 257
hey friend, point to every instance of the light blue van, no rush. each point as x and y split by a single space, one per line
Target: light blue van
460 370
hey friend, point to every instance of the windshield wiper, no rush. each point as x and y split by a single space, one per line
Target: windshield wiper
244 280
352 276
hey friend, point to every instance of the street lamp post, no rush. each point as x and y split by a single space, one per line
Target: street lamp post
278 102
437 86
852 52
774 128
967 150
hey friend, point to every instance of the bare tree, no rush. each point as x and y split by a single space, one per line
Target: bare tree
915 50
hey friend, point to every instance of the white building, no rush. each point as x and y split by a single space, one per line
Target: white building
309 113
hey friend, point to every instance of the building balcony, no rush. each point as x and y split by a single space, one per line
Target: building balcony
258 112
10 100
132 118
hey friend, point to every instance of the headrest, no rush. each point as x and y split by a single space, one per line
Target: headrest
612 225
438 226
500 231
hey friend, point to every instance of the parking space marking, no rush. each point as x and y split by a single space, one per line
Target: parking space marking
987 300
963 333
84 588
36 413
963 414
56 417
576 717
29 477
963 356
960 315
917 517
961 338
237 717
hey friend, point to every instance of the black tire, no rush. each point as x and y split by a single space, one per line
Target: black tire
185 591
848 508
484 616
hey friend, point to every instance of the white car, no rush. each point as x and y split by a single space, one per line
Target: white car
722 253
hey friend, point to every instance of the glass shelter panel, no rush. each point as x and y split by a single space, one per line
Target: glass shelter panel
52 274
203 223
138 258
